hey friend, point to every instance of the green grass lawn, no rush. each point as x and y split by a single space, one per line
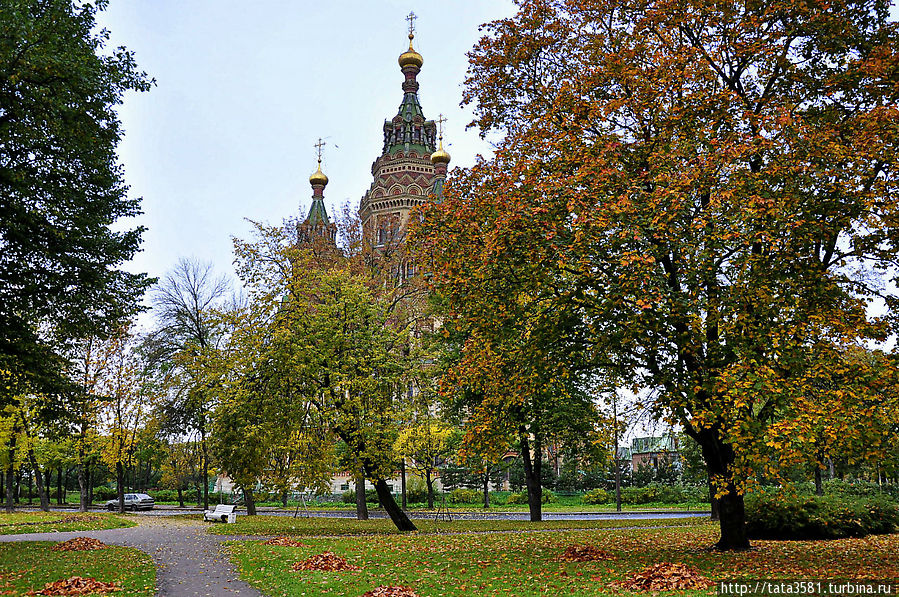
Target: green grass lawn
27 566
284 525
47 522
525 564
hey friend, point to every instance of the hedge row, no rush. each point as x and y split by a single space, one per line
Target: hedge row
779 515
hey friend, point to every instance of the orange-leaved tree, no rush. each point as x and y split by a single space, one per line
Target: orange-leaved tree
688 195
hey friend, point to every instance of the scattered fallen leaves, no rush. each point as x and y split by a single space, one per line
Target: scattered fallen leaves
79 544
284 541
327 562
664 577
77 585
384 591
584 553
81 518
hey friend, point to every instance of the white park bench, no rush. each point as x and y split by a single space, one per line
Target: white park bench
222 512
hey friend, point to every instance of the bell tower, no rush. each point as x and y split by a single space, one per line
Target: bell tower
403 174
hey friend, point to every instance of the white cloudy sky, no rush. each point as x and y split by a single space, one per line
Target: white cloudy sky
244 90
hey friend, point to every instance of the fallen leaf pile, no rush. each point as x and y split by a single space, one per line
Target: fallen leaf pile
284 541
326 562
664 577
77 585
383 591
79 544
584 553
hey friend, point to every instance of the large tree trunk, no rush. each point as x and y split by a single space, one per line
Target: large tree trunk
361 505
90 485
430 485
532 475
120 485
41 488
249 501
180 496
713 502
59 497
399 518
720 457
819 484
487 487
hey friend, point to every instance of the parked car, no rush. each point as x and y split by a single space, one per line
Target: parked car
133 501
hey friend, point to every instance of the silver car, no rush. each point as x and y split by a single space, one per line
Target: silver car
133 501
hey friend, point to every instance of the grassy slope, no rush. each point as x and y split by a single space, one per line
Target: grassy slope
526 563
284 525
47 522
28 566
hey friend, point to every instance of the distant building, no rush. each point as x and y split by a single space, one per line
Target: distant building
654 451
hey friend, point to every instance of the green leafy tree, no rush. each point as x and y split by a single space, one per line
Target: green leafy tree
61 188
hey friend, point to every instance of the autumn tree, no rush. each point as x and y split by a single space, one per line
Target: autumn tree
181 345
424 444
700 195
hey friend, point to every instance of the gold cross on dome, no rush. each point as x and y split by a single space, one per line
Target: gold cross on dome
440 120
411 18
318 149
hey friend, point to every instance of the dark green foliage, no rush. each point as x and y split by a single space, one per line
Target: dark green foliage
778 515
164 495
104 493
61 188
371 496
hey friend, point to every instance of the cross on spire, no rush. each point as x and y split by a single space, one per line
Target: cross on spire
318 149
440 120
411 18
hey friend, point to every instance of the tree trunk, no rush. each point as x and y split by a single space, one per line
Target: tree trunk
284 498
532 475
487 487
180 496
59 486
361 505
11 475
30 486
819 484
403 480
90 485
205 471
120 485
720 457
399 518
41 488
249 501
83 503
430 485
713 502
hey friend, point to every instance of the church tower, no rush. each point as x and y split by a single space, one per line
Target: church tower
404 174
317 226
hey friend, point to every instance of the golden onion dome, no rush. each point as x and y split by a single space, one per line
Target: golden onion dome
440 157
318 177
410 57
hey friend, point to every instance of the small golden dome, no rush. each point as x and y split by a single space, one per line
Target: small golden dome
440 157
318 177
410 57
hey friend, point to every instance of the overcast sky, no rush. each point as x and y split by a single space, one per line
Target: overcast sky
243 91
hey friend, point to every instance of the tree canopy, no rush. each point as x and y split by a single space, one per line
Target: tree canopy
61 186
692 198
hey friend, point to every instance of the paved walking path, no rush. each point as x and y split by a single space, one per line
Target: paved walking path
188 560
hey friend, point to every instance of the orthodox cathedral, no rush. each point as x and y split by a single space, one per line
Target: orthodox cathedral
412 165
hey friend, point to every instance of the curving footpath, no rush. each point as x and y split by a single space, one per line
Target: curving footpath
189 561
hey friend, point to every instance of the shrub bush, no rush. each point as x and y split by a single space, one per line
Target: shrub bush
517 498
166 495
778 515
597 496
548 497
104 494
465 496
349 496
